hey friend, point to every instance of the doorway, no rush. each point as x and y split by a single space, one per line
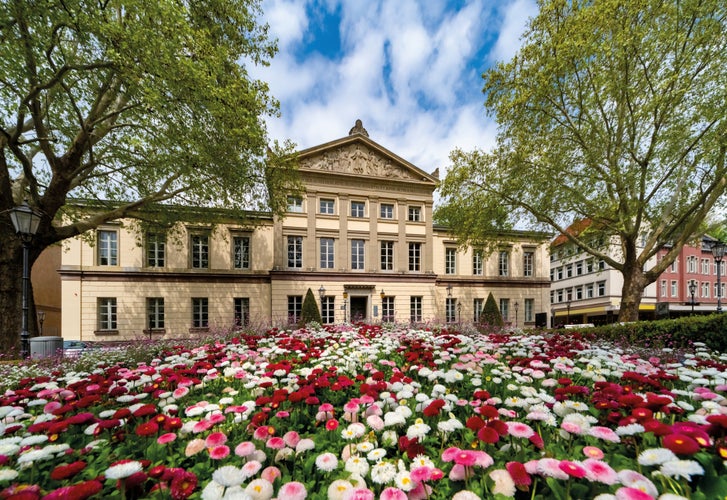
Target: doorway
359 308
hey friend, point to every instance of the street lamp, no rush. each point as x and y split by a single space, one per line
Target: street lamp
459 312
26 222
345 298
449 290
41 319
692 290
321 293
516 306
718 250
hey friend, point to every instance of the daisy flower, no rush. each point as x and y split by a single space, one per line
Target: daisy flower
228 475
338 488
682 468
599 471
504 485
123 469
293 490
656 456
383 472
260 489
326 462
404 481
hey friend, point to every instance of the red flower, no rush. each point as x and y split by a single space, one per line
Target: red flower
518 473
147 428
432 410
475 423
680 444
65 471
488 435
572 469
183 485
331 424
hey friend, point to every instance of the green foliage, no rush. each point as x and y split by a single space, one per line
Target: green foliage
668 333
310 312
610 112
491 315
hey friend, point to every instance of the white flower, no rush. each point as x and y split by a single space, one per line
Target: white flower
260 489
357 465
383 472
376 454
123 470
450 425
682 468
228 475
504 485
7 474
338 488
404 481
326 462
655 456
630 430
418 430
31 456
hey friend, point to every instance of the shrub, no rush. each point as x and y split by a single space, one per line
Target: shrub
491 313
310 312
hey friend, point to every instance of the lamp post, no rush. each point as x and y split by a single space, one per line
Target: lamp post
718 250
447 313
459 312
516 307
41 319
383 296
692 290
26 222
322 295
345 299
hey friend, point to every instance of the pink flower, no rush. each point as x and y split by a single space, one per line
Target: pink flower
251 468
482 459
573 469
519 430
421 474
550 467
216 418
244 449
460 473
571 427
261 433
194 447
201 426
180 392
270 474
166 438
466 457
293 491
604 433
392 493
282 414
219 452
593 452
291 438
351 407
627 493
375 422
449 454
597 470
275 443
215 439
358 494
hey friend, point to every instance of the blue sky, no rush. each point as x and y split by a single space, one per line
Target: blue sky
409 69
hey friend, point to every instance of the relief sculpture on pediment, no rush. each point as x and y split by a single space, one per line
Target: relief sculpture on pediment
358 160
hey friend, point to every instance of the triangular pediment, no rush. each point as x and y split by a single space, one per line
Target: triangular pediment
357 155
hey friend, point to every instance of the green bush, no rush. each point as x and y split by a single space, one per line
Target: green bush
672 333
491 315
310 312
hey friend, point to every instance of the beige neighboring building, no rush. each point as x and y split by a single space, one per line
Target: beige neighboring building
361 237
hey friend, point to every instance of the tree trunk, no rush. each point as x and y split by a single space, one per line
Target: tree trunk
631 293
11 293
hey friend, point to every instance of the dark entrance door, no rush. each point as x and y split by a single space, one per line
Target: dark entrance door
359 308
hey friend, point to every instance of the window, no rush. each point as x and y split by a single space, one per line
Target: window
199 312
326 206
528 263
387 309
155 313
449 316
295 307
529 310
691 264
552 274
504 264
569 271
589 291
579 293
415 256
705 266
386 211
559 273
241 252
108 248
505 309
295 252
721 268
328 309
674 266
601 265
155 249
705 289
415 309
415 214
569 294
242 311
601 288
107 313
477 263
200 251
589 266
663 288
477 305
560 295
327 253
674 292
718 294
579 268
358 209
357 254
387 255
295 204
450 261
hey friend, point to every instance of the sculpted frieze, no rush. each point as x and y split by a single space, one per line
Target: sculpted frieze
356 159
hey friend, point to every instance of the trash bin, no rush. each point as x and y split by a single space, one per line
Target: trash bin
44 347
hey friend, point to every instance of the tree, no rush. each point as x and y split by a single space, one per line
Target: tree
142 103
612 113
309 310
491 314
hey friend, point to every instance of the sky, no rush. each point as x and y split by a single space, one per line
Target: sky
411 70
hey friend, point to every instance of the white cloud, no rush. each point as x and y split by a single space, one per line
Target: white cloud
515 19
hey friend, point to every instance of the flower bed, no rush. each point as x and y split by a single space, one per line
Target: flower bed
364 412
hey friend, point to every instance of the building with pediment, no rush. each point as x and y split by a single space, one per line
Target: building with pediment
361 236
